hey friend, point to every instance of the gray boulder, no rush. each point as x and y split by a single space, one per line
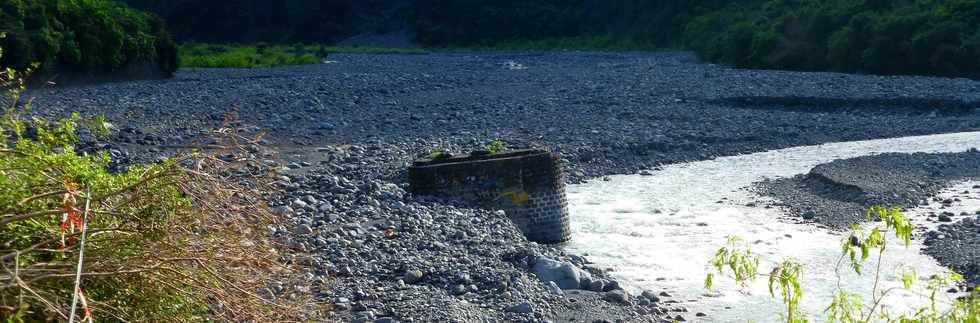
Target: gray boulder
563 274
617 296
554 289
650 295
596 285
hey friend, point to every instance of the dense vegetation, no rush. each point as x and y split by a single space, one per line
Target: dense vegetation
250 21
939 37
153 243
489 22
84 36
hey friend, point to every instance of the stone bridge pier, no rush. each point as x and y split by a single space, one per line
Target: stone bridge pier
526 184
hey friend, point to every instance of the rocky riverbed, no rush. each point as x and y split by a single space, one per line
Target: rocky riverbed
346 130
839 193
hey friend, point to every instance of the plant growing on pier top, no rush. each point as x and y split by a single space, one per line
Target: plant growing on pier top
848 307
439 154
496 146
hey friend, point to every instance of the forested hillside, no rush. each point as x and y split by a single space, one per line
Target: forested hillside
932 37
288 21
86 37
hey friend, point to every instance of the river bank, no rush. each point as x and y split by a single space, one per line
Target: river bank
347 130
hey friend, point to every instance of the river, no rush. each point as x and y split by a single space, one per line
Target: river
659 231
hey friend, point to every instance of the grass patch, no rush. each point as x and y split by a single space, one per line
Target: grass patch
262 55
242 56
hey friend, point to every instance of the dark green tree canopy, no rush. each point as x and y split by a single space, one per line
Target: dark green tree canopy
86 36
929 37
245 21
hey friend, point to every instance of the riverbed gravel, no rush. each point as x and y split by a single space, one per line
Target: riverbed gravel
838 194
346 131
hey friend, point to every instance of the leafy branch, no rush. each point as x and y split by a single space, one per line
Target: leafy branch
738 261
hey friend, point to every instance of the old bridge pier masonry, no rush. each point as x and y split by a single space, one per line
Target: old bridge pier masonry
528 185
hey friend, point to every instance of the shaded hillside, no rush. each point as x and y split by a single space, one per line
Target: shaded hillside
290 21
930 37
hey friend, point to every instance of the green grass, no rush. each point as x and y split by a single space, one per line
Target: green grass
261 55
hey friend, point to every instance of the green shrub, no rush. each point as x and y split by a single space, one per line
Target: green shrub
161 243
90 36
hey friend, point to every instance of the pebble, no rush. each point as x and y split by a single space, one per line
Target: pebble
617 296
459 290
413 276
303 229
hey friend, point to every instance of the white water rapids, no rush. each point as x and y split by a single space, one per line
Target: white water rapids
659 231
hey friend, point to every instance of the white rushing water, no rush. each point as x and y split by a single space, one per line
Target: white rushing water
659 231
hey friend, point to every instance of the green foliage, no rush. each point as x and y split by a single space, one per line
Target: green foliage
153 234
211 56
38 157
487 22
264 55
860 243
931 37
496 146
625 24
786 279
737 257
849 307
86 36
250 21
